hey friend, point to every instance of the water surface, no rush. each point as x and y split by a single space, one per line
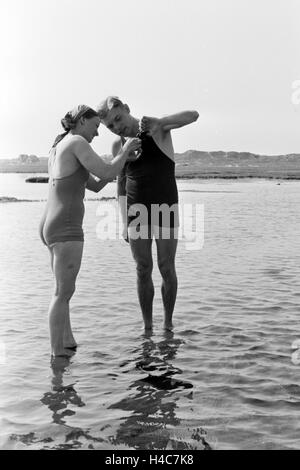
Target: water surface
225 378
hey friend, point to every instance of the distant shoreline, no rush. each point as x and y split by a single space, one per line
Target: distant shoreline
7 199
209 174
196 164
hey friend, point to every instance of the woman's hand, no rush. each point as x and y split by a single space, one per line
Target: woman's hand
132 145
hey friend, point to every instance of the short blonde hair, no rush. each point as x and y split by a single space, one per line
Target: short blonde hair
107 105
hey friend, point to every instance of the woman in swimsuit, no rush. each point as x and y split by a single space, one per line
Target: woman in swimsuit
73 166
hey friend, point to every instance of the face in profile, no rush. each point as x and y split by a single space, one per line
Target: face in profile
119 121
90 128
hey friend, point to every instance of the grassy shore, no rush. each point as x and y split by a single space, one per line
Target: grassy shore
199 164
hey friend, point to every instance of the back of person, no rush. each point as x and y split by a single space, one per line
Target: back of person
73 167
64 214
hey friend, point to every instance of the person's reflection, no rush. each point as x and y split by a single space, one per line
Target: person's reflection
61 396
59 400
151 398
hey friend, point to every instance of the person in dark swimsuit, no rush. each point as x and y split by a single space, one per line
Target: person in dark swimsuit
73 166
150 181
149 185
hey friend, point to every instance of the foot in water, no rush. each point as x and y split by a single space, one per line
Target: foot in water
73 346
63 353
168 326
69 342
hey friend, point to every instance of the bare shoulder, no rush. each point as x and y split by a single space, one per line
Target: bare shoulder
64 159
79 148
78 140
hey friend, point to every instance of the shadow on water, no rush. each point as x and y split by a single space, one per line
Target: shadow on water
152 399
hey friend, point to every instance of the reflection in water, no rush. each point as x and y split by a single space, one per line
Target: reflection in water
61 396
59 400
152 398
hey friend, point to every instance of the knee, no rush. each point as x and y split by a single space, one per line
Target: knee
65 291
167 270
144 270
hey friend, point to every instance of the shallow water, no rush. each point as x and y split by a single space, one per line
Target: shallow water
226 377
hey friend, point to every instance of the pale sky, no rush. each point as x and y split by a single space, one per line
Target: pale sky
234 61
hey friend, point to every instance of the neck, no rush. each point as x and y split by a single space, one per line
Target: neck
77 132
135 127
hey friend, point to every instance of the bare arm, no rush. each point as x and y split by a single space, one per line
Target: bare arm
121 179
178 120
96 165
151 125
121 190
94 185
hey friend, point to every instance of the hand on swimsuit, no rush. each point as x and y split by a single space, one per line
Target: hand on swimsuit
132 145
149 125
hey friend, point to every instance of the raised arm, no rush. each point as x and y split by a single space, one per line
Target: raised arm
151 125
96 165
175 121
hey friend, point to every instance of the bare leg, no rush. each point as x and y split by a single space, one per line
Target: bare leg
51 256
142 254
66 264
69 341
166 252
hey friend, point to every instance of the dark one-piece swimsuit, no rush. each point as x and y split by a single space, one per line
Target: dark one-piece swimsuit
150 181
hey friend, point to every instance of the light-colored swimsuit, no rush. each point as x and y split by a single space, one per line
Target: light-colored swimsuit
62 220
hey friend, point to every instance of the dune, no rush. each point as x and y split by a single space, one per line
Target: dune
196 164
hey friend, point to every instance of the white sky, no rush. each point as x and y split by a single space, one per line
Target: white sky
232 60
